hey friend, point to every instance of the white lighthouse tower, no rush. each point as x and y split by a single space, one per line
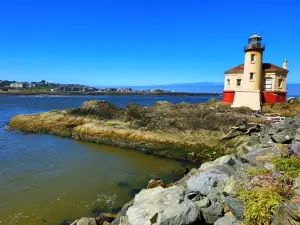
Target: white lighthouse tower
254 83
250 92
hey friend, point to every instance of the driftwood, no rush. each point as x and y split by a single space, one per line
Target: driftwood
243 130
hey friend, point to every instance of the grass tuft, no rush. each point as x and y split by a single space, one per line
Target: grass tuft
260 204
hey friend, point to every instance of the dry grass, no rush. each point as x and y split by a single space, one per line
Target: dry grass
192 145
287 109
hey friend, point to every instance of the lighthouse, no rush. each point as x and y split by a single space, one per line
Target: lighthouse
253 83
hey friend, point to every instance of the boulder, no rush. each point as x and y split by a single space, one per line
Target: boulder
227 220
153 183
296 187
182 181
85 221
285 136
295 148
100 108
203 203
236 206
214 211
244 148
297 134
204 181
230 186
261 155
123 221
162 206
229 160
264 136
288 214
122 214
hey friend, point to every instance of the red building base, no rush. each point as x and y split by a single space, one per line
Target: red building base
228 96
266 96
273 96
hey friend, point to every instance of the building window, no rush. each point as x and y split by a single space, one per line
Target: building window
280 83
228 83
253 57
268 84
238 82
251 76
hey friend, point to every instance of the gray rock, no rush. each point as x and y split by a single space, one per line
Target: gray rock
122 213
182 181
287 214
230 186
259 156
229 160
264 136
236 206
227 220
295 148
226 169
85 221
296 188
212 213
297 135
162 206
279 127
204 181
253 139
203 203
123 221
283 136
215 209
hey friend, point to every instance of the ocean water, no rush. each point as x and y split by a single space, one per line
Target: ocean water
45 179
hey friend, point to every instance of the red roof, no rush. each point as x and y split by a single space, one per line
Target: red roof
266 66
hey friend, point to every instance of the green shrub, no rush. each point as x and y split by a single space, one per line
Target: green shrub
259 204
257 171
290 166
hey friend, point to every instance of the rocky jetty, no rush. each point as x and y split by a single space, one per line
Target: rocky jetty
258 185
181 131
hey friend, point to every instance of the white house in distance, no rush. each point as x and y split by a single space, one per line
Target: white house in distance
253 83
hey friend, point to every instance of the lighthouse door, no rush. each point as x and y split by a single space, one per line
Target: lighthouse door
268 84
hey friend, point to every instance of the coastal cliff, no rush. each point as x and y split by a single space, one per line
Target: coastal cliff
260 185
180 131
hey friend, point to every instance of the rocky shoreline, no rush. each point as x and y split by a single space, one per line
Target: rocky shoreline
252 176
258 185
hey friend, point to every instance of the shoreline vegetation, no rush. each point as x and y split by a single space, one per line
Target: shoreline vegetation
95 93
250 167
184 131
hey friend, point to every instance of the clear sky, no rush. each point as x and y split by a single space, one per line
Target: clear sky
126 42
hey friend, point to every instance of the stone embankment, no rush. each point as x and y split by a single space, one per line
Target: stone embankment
258 185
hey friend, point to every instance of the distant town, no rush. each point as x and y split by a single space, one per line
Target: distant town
44 86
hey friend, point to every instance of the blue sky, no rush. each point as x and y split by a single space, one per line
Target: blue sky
109 42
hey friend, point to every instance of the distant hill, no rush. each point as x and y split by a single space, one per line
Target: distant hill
187 87
206 87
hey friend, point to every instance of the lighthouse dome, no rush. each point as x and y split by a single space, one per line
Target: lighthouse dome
255 36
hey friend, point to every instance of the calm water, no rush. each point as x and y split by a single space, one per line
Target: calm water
50 180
